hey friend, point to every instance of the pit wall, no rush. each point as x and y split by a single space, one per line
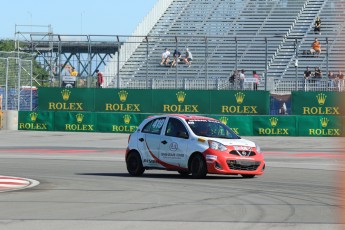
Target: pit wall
246 112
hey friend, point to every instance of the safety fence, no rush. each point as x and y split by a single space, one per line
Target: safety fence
16 84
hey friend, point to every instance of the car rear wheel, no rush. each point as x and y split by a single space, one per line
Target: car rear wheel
198 167
134 164
248 176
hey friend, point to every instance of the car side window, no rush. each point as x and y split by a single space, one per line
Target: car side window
175 128
154 126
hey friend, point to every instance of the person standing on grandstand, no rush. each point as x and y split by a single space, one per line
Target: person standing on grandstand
257 82
177 56
233 79
100 79
165 57
315 47
317 26
331 80
317 77
307 76
242 78
189 58
72 71
341 81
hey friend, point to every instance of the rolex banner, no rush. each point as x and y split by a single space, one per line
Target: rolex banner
239 102
222 102
75 121
181 101
66 99
274 125
35 120
119 122
317 103
321 126
241 125
332 126
125 101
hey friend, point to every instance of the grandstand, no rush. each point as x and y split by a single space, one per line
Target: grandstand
268 36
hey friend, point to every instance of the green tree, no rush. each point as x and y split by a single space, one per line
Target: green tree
6 45
37 71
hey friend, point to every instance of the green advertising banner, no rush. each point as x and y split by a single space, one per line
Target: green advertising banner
330 126
75 121
241 125
232 102
180 101
274 126
119 122
36 120
225 102
317 103
65 99
123 100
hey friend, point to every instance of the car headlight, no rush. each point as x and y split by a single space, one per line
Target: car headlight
258 149
216 145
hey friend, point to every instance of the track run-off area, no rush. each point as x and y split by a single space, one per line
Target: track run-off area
82 183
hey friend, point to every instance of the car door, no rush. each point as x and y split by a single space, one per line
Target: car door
173 149
149 142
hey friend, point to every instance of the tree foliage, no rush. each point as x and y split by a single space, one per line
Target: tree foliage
7 45
38 71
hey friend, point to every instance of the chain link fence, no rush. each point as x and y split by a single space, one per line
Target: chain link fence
16 86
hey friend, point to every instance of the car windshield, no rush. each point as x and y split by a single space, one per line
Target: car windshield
211 128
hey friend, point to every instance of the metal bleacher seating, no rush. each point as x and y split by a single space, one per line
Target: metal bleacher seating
224 35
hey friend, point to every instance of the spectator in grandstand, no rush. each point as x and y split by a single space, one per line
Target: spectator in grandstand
283 109
331 79
341 81
100 79
317 77
317 26
315 48
307 76
177 56
233 79
165 57
242 77
188 58
72 71
257 82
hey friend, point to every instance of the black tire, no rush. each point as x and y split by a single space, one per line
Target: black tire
198 167
248 175
184 173
134 164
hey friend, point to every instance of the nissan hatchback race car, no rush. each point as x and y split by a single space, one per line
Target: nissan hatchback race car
191 144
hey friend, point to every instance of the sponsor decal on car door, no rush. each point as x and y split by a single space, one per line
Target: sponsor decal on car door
173 145
173 151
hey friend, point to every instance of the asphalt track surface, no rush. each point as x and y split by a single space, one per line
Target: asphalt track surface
83 184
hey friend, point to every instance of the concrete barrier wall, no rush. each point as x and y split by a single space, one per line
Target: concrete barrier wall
10 120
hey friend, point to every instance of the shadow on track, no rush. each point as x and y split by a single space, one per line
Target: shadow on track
165 176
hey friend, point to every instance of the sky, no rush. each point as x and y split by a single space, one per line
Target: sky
73 17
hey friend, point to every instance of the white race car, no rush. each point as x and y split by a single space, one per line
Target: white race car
191 144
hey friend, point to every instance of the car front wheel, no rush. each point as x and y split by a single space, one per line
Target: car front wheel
134 164
198 167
